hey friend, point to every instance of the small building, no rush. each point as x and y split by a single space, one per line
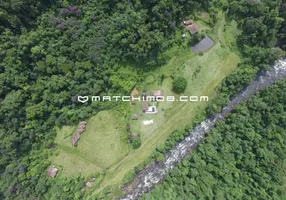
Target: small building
83 122
158 94
52 171
134 92
75 138
188 22
74 141
80 130
82 126
91 179
88 184
193 29
77 132
203 45
144 106
151 110
134 116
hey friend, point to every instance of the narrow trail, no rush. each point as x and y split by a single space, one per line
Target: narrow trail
152 174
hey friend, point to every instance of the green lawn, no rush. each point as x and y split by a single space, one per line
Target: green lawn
101 147
215 65
101 140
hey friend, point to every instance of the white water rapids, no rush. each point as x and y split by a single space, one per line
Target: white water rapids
152 174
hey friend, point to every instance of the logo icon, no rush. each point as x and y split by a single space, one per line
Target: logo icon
82 99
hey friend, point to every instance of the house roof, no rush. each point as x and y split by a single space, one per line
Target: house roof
82 126
134 92
203 45
75 138
145 105
188 22
88 184
157 93
73 141
192 28
52 171
80 130
91 179
134 116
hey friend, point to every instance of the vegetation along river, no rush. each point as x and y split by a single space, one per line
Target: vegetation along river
152 174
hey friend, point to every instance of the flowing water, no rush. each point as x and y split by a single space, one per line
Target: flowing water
152 174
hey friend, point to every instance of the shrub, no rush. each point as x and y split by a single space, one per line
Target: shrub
179 84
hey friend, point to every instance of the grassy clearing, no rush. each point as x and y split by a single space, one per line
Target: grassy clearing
214 65
100 145
72 165
101 140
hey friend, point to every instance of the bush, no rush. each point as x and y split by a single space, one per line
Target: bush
136 142
179 84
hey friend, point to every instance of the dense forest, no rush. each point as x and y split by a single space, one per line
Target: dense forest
243 157
53 51
282 30
216 170
258 53
261 25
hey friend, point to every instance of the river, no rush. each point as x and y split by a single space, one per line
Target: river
152 174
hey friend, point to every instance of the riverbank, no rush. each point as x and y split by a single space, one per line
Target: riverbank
145 180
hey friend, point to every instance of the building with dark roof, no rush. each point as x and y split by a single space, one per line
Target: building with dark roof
80 130
203 45
158 94
145 106
188 22
134 116
75 139
82 126
52 171
193 29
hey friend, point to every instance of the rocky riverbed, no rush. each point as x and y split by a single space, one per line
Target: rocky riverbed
152 174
